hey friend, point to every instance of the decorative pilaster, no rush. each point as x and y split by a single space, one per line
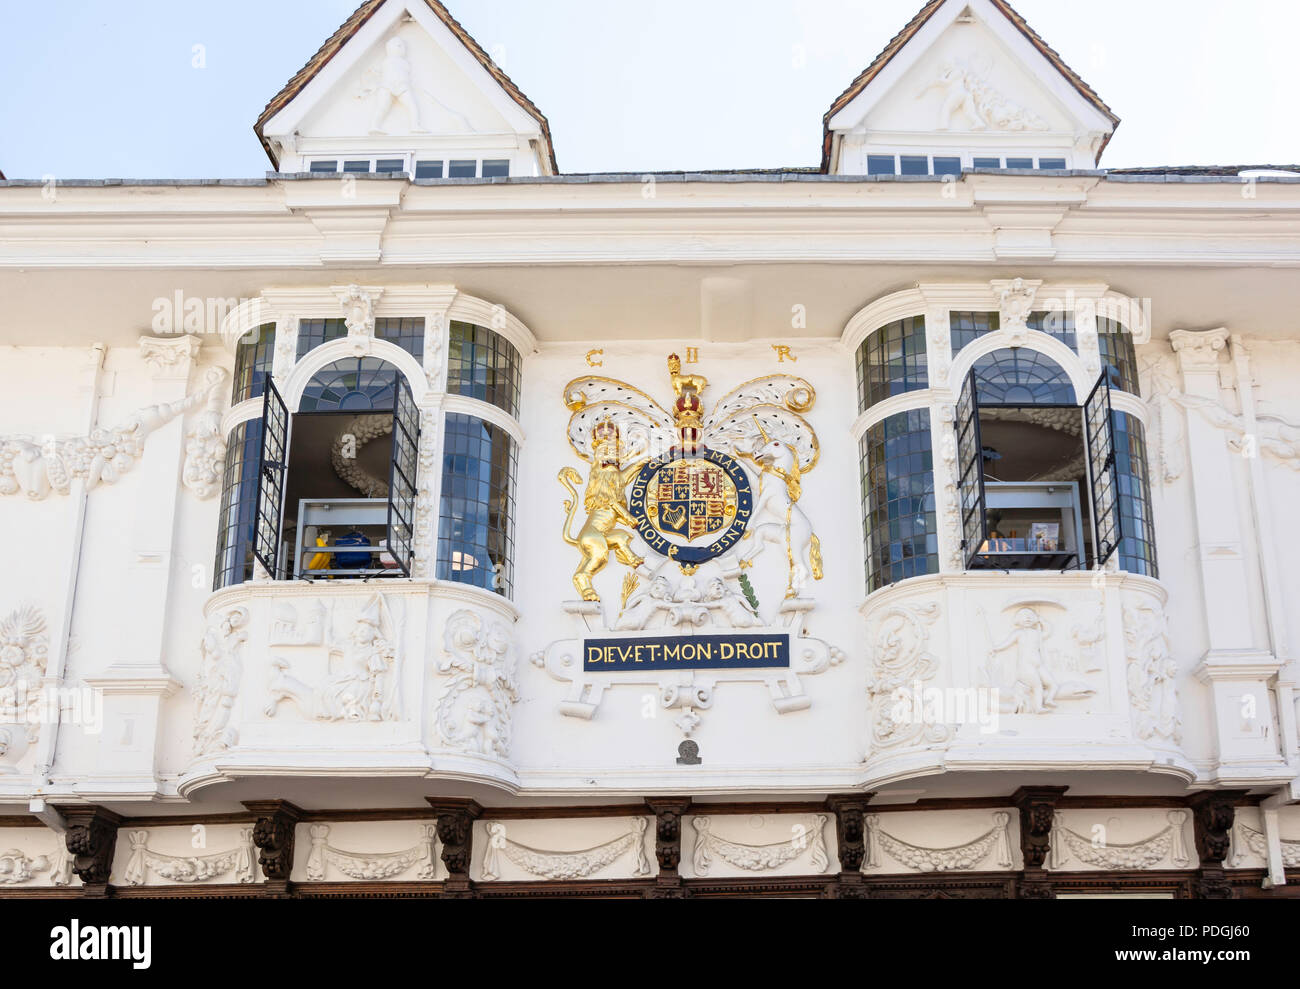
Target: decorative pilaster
91 839
1037 805
1213 812
668 812
1237 666
850 835
273 834
455 823
1224 580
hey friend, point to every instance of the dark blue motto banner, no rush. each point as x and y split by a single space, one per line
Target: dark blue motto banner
688 652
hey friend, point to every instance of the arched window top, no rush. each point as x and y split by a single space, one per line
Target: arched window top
891 361
254 354
354 384
1022 376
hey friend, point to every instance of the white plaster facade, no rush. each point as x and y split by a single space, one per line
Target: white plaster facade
1190 675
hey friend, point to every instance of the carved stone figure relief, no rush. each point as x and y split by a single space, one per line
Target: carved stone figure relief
807 838
1152 675
995 842
967 96
236 863
474 712
362 679
1015 304
221 670
1146 854
37 469
1031 672
396 97
370 865
546 864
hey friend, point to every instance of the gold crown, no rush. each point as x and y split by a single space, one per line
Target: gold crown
605 431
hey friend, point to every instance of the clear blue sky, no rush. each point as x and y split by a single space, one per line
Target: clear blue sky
93 89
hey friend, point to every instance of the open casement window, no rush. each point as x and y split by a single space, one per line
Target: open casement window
270 480
985 548
970 472
1103 472
402 476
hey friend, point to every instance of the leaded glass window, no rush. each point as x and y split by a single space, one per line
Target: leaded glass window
484 365
1058 323
1022 376
354 384
407 333
254 355
234 561
476 516
1118 356
892 361
1137 547
967 327
898 499
314 332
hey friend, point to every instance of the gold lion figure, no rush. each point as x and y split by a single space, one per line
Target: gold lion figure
606 508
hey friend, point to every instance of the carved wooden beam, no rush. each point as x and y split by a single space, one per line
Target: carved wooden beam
91 839
668 812
850 836
273 834
1213 813
455 824
1037 805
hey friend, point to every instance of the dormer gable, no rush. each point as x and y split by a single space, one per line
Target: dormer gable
966 84
402 87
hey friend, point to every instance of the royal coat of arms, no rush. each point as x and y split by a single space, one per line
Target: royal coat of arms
693 487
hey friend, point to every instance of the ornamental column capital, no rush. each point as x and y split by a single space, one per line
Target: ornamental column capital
1198 350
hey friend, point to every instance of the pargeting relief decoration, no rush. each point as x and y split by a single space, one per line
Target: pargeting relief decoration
362 671
547 864
1273 435
17 867
1015 305
390 86
806 838
474 712
948 482
345 453
1032 670
37 469
359 316
967 94
238 862
1152 674
995 842
1247 838
424 531
205 443
1164 425
714 498
24 655
221 670
898 656
370 865
1145 854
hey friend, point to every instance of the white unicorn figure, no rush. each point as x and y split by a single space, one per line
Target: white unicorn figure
778 518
